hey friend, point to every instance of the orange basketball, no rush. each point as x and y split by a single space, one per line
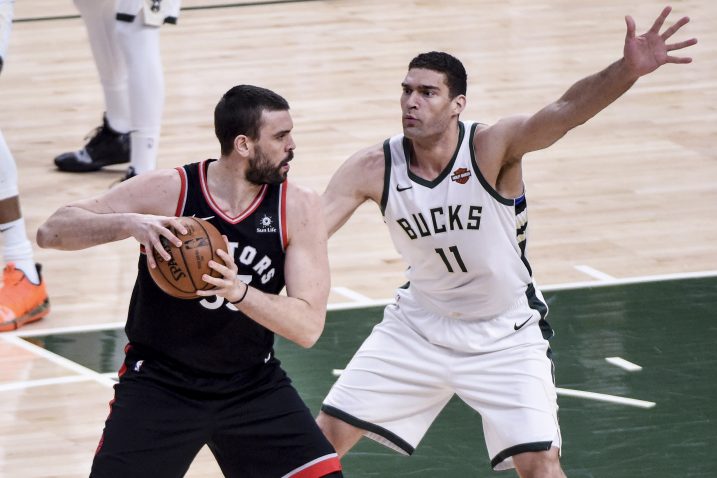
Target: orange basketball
181 276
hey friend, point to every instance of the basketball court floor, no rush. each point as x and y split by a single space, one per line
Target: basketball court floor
636 375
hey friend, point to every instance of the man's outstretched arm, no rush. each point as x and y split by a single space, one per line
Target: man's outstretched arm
642 55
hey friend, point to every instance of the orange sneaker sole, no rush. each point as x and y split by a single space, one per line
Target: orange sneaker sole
32 316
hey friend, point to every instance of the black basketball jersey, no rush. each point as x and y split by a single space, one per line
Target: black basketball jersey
209 335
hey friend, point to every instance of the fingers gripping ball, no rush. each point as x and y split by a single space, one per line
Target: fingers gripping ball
181 276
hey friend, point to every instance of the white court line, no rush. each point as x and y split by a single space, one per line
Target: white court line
629 280
623 364
556 287
67 330
384 302
359 305
43 382
593 272
337 371
58 360
350 294
601 397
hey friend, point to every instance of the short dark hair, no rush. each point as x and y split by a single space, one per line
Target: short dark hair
456 77
239 112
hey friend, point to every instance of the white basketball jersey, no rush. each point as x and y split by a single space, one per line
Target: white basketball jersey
464 243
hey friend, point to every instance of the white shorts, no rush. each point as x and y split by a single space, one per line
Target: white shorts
399 381
155 13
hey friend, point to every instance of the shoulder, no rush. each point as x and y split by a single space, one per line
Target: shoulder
492 142
302 203
300 197
369 159
367 166
158 183
303 210
153 192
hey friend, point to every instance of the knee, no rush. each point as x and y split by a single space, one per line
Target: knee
542 464
340 434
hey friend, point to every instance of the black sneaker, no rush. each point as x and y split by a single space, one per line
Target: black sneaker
128 175
105 146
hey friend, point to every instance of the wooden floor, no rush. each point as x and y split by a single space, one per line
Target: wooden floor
631 193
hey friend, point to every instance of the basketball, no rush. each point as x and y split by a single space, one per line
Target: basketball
181 276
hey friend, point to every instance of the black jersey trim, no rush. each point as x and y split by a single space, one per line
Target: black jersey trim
515 450
182 200
484 182
203 169
520 207
374 432
535 303
408 152
386 175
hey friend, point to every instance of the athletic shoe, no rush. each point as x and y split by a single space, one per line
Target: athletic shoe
128 175
105 146
21 301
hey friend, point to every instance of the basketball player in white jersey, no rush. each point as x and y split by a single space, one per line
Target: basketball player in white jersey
471 321
23 297
124 37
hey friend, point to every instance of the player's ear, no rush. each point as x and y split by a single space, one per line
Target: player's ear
459 104
242 145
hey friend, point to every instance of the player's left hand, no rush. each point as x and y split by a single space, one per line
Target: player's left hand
228 286
647 52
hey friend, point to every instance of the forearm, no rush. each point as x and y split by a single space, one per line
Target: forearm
592 94
72 228
290 317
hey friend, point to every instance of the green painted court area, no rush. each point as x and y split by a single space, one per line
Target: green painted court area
669 328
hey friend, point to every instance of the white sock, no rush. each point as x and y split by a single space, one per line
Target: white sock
117 107
144 152
18 249
8 171
99 18
140 46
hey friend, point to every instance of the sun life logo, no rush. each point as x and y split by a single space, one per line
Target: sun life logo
266 224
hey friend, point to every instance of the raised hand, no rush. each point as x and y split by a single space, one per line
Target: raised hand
647 52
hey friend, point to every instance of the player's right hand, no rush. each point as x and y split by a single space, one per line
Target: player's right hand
148 230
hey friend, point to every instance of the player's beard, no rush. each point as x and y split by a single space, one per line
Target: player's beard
261 171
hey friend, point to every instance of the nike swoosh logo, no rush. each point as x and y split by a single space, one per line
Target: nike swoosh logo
399 188
518 327
6 229
268 357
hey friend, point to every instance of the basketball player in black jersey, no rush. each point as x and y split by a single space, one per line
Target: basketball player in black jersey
203 371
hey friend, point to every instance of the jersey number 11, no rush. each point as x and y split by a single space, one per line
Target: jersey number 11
457 257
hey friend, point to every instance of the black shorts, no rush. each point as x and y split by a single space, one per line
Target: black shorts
160 419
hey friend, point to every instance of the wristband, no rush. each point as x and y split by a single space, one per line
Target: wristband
246 289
